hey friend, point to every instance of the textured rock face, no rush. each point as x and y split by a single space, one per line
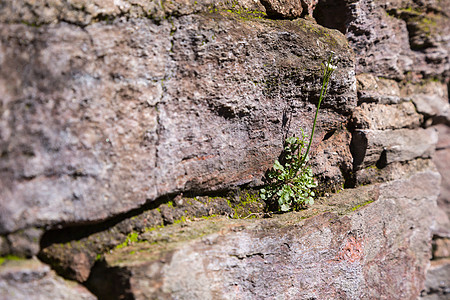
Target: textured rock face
396 37
127 127
99 120
83 12
376 147
437 283
280 257
287 9
31 279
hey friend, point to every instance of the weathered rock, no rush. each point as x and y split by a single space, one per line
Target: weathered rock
107 107
334 149
84 12
378 147
396 37
441 228
25 243
442 161
430 99
72 252
4 246
444 137
441 248
380 116
380 90
437 285
357 252
370 31
283 9
393 171
100 120
31 279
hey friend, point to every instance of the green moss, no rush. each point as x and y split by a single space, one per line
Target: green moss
361 205
154 228
170 204
409 9
132 238
426 24
181 220
208 217
170 237
98 257
9 257
35 25
249 202
372 167
244 14
310 27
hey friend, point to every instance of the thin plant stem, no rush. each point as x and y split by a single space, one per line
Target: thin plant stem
326 79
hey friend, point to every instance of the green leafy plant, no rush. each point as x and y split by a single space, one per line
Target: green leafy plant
290 181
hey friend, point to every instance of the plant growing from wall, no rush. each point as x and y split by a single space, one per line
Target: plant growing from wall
290 181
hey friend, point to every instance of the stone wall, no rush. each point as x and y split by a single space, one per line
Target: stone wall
134 136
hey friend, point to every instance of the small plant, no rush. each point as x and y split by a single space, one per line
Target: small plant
290 181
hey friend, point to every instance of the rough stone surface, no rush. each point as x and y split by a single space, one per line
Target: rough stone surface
381 147
393 38
4 247
441 248
334 149
280 257
83 12
73 252
442 159
380 116
437 285
25 243
444 137
285 9
378 89
31 279
395 170
430 99
110 109
99 120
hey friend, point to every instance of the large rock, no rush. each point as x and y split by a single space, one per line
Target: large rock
73 251
378 89
31 279
381 117
437 285
283 9
99 120
84 12
392 38
442 161
430 99
382 147
356 251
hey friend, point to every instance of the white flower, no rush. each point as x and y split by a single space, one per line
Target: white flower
331 67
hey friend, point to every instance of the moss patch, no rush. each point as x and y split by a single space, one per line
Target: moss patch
3 259
159 242
361 205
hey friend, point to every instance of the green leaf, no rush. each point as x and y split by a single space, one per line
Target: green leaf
278 166
285 207
291 183
291 140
